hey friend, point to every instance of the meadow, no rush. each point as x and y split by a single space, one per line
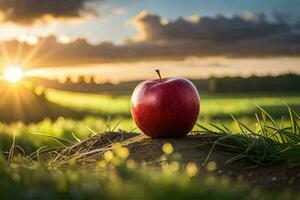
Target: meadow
108 114
212 105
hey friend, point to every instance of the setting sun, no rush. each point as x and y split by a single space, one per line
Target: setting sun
13 74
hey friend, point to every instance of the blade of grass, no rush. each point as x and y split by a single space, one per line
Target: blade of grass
57 139
267 114
12 148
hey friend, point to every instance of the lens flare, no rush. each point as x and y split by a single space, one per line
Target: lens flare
13 74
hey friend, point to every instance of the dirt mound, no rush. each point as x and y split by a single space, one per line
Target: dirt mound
193 148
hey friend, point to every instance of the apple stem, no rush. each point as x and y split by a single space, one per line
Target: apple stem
157 71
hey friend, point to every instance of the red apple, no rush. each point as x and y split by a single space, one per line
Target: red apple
166 107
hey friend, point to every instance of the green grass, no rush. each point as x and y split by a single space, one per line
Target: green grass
216 106
268 144
21 179
260 140
118 108
64 128
91 102
116 178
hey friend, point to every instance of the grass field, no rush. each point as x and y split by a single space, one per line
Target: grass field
119 178
211 105
110 113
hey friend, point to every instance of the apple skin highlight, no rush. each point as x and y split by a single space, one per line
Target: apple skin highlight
166 107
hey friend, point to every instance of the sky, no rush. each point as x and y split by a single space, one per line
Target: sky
39 34
112 22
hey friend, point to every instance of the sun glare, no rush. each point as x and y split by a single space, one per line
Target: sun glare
13 74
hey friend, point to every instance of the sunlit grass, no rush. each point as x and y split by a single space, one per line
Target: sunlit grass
64 128
211 106
116 111
91 102
267 143
240 105
172 178
118 178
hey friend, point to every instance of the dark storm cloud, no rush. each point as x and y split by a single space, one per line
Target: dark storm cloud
219 28
30 11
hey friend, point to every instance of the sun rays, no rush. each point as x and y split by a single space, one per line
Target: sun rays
18 101
18 97
27 51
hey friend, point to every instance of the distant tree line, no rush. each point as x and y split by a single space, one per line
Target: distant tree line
286 82
282 83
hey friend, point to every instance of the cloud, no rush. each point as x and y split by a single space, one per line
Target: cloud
219 28
160 38
50 52
118 11
31 11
